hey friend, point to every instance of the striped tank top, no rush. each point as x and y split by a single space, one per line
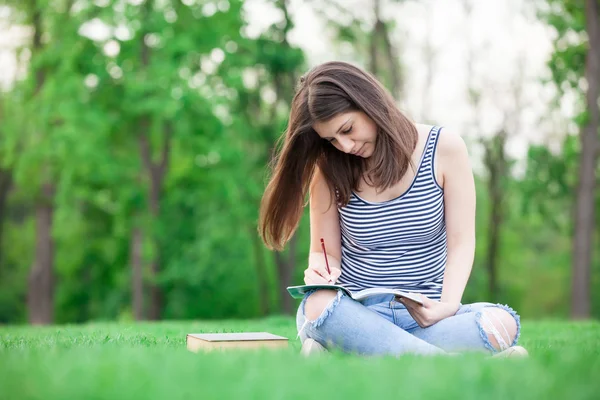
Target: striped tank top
400 243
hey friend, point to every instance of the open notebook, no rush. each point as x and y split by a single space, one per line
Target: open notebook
298 292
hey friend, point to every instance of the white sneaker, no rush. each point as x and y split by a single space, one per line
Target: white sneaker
311 347
512 352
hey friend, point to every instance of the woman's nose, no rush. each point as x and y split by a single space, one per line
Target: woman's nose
346 144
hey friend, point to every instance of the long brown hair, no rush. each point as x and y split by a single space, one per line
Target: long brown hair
324 92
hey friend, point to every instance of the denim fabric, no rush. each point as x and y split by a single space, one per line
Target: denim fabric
380 325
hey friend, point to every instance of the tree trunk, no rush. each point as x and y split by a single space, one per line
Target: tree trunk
284 263
261 274
380 35
374 64
40 299
496 164
429 55
40 295
584 211
5 186
156 173
154 203
137 273
156 295
392 61
285 268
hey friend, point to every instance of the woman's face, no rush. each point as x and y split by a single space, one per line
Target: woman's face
352 132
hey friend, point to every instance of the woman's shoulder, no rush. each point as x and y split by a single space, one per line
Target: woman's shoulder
449 144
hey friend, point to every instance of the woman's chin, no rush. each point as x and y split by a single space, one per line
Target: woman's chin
366 153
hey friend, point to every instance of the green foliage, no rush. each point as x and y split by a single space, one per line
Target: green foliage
549 188
225 99
79 127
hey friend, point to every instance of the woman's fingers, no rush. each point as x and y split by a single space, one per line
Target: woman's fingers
415 310
415 316
409 302
319 269
335 274
312 277
327 277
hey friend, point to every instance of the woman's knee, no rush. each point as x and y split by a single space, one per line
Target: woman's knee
317 302
500 326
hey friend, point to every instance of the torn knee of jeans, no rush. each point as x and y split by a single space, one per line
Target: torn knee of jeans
490 325
326 312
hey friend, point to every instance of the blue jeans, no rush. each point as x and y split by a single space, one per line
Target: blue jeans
380 325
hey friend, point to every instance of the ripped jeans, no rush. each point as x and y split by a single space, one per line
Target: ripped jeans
380 325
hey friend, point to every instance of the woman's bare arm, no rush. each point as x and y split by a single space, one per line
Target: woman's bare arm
459 199
324 223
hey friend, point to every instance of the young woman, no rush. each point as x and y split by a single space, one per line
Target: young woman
395 204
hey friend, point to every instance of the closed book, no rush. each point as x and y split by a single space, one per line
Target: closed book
247 340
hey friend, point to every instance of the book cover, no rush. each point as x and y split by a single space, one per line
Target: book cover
212 341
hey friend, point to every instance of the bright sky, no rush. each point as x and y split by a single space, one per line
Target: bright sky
499 29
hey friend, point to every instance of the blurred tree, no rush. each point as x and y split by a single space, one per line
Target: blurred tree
430 55
494 159
6 181
500 174
40 297
590 149
284 77
41 279
41 129
172 44
570 63
161 69
368 36
269 74
155 125
381 48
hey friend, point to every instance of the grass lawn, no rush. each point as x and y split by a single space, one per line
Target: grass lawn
149 361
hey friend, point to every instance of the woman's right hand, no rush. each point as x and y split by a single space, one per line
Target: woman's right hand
316 274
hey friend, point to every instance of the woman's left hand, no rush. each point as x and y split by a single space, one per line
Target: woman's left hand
430 312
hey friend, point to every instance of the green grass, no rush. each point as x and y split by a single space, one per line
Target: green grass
149 361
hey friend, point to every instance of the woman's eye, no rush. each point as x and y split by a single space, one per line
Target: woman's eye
347 130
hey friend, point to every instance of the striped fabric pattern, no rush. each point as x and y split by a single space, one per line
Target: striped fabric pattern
400 243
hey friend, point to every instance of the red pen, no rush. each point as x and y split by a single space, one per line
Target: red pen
325 254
